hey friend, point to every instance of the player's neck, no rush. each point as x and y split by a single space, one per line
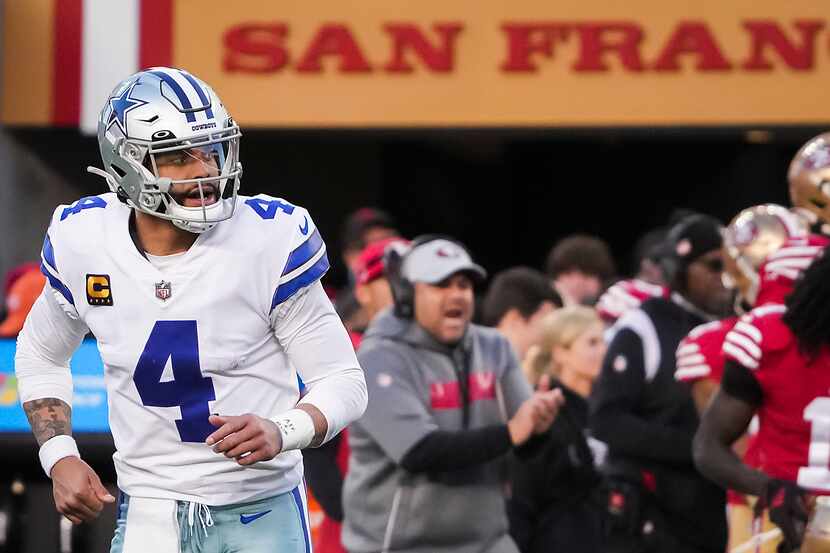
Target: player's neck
160 237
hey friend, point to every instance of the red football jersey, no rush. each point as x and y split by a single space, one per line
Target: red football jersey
700 354
793 440
783 267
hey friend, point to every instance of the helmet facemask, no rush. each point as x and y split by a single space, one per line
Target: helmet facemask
751 237
170 149
218 154
741 277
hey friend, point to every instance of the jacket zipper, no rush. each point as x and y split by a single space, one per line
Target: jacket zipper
390 524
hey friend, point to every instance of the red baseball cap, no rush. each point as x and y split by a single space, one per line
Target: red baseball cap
370 261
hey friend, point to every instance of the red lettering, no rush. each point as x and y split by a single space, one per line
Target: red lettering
768 34
692 37
527 39
333 40
406 36
255 48
595 39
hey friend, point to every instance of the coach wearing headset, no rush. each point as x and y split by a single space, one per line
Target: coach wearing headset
447 401
658 500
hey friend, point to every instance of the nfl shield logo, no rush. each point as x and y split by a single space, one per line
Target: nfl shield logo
163 290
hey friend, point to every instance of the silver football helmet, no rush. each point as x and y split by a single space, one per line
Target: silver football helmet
165 114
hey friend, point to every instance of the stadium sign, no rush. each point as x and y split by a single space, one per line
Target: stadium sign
432 63
266 47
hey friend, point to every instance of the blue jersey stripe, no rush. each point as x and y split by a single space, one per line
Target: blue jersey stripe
310 275
48 252
202 96
57 284
171 82
304 252
301 508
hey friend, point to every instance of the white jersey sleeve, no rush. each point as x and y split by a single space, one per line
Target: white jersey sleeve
52 332
317 344
49 267
312 335
44 347
306 263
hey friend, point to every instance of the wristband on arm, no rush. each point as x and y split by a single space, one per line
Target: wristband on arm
297 429
56 448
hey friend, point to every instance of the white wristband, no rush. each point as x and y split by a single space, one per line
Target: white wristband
296 427
55 449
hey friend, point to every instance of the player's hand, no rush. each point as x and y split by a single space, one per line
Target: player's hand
246 438
786 503
535 415
79 494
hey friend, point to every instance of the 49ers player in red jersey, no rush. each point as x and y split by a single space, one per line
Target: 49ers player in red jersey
778 365
751 238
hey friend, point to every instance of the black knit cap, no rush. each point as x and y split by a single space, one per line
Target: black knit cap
693 236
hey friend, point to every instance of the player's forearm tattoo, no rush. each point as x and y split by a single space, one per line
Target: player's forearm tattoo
49 417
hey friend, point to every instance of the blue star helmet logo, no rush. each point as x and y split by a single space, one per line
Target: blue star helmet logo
120 105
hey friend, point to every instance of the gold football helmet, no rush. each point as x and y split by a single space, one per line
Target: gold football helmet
809 178
753 235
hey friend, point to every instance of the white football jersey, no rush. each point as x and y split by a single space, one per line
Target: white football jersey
205 335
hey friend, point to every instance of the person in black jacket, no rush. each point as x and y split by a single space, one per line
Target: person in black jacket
554 503
657 500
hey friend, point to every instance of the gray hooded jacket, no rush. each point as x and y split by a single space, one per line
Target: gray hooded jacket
413 391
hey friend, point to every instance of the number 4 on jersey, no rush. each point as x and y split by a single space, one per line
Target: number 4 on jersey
178 342
267 209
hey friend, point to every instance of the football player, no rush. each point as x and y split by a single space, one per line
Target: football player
778 365
206 305
752 236
809 180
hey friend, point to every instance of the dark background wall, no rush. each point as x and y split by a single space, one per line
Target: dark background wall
508 193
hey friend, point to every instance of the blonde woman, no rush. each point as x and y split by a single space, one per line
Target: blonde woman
553 505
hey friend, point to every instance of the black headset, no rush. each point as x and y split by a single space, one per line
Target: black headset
403 291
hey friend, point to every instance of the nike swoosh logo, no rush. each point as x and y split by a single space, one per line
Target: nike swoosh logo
304 226
247 519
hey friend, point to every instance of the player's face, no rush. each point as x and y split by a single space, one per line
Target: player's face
705 283
445 309
195 163
584 356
